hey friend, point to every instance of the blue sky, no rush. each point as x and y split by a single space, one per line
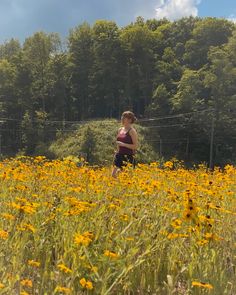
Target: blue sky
218 8
21 18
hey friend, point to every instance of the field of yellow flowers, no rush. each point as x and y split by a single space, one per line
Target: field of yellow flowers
75 230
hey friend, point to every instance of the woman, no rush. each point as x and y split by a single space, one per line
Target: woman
127 141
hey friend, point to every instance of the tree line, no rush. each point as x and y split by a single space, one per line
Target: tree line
181 72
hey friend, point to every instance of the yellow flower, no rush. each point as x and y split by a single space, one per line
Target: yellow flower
25 227
83 239
202 242
27 283
124 217
24 293
94 268
8 216
129 239
63 268
86 284
33 263
187 215
212 236
63 290
111 254
3 234
203 285
2 286
114 206
168 164
175 235
176 223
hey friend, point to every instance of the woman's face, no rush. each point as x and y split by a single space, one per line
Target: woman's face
125 121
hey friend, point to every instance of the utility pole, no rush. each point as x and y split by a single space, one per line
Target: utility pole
212 142
187 148
1 122
160 152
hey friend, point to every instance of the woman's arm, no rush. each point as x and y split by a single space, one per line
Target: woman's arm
134 136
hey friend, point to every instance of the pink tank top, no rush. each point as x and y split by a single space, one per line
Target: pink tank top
125 138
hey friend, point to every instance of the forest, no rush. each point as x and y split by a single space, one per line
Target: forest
179 78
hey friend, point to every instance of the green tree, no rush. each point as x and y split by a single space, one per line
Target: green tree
10 49
189 92
107 71
206 33
138 43
58 88
89 145
160 103
80 65
37 52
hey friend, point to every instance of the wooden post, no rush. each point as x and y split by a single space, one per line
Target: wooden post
212 143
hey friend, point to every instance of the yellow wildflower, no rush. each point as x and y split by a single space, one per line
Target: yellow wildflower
27 283
176 223
64 268
203 285
25 227
111 254
83 239
63 290
8 216
33 263
86 284
3 234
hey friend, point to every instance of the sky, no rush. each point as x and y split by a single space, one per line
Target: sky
21 18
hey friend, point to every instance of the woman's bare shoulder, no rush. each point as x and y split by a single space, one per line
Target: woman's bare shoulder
133 130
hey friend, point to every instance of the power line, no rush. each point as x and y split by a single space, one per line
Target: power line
52 121
75 129
167 126
91 120
174 116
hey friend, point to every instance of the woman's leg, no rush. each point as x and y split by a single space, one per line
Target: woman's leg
117 165
115 172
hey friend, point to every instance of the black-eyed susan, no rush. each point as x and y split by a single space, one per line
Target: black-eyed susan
64 268
3 234
83 239
202 285
111 254
61 289
27 283
33 263
176 223
86 284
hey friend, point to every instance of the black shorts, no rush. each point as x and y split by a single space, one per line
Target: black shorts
121 160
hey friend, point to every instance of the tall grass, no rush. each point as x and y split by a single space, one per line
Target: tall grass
75 230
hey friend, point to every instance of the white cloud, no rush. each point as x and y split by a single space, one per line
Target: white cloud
175 9
232 18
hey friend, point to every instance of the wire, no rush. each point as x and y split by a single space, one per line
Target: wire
167 126
53 121
174 116
91 120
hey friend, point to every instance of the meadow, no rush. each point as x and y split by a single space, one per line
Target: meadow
66 229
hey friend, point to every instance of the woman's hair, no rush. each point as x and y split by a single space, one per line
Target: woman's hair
129 115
